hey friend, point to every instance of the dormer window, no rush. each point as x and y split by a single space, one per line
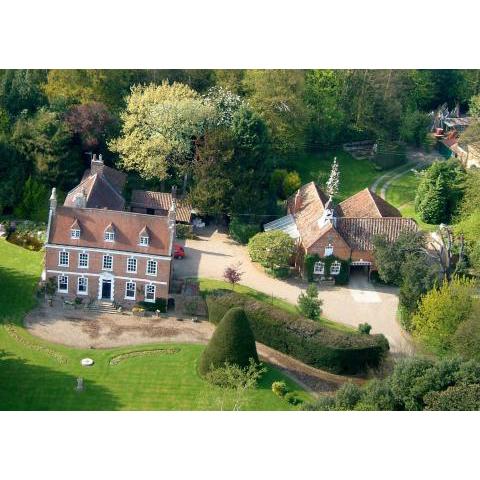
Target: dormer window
110 233
144 237
75 230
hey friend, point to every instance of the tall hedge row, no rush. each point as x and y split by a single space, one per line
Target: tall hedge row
306 340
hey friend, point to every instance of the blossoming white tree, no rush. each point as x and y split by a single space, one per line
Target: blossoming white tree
333 181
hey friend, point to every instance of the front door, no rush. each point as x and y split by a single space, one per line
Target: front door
106 289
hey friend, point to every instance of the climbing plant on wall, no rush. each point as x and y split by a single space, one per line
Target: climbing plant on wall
340 279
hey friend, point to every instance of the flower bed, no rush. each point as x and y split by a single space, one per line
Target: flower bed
142 353
12 331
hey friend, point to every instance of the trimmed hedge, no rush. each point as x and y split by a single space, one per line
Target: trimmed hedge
232 342
340 279
306 340
159 304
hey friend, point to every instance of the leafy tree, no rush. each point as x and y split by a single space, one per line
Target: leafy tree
22 90
92 122
277 95
226 104
34 202
14 169
466 340
46 141
271 249
418 276
414 127
457 397
389 257
232 342
233 274
474 106
441 311
377 396
291 183
440 191
309 304
159 124
347 396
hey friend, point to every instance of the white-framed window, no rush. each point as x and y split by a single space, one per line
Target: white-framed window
329 250
83 260
335 268
62 284
63 258
144 240
319 268
151 267
150 293
75 233
82 286
130 288
109 236
107 262
132 265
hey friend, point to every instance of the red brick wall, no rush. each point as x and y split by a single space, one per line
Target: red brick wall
364 255
340 247
95 263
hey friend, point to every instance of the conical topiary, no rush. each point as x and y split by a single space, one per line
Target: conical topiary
232 342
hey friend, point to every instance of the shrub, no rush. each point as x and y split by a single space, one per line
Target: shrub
304 339
347 396
311 259
324 403
279 272
279 388
271 249
293 399
458 397
242 232
377 395
184 231
232 342
309 304
364 328
159 304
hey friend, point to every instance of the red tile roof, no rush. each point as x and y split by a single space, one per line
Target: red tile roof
366 204
359 232
128 227
100 193
161 201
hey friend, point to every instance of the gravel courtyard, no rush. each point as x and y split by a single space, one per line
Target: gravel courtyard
355 303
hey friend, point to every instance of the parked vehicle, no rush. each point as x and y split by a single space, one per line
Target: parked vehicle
178 251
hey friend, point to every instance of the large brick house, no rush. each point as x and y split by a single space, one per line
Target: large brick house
97 250
345 230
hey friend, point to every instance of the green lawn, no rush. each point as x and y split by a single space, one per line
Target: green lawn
355 175
401 194
37 375
208 285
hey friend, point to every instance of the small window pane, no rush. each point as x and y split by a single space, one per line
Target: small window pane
107 262
329 250
109 236
319 268
144 240
63 259
82 285
335 268
130 290
152 267
150 292
62 283
75 233
83 260
132 265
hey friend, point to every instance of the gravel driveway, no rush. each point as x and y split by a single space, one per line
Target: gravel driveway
358 302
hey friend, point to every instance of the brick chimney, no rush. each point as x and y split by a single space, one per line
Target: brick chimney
96 165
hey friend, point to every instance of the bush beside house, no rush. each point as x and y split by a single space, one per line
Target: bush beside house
304 339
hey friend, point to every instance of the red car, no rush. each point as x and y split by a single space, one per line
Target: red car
178 251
